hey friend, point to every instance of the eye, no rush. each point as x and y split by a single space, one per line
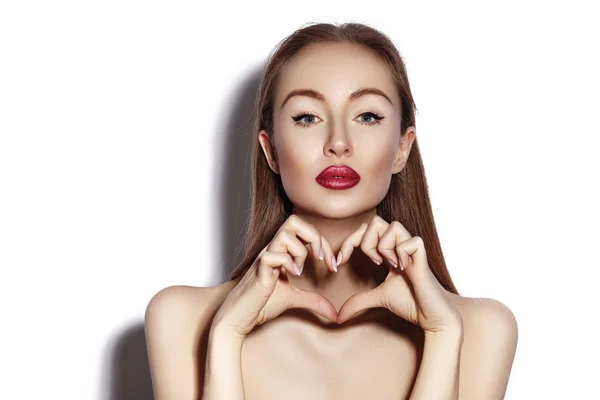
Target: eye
371 118
307 117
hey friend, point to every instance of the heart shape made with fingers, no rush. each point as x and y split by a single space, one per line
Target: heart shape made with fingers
410 290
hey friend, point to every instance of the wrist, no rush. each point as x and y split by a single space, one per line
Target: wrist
224 351
453 335
223 368
222 333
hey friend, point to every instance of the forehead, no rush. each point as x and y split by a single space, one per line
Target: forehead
335 70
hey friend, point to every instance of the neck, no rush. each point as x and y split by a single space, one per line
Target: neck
357 274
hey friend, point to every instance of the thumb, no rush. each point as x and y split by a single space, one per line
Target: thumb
312 301
359 302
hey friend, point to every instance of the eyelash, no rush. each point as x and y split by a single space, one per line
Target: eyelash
298 118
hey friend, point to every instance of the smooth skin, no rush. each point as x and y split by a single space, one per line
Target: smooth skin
274 334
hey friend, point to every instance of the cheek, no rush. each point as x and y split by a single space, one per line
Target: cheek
296 156
376 159
296 165
377 155
296 176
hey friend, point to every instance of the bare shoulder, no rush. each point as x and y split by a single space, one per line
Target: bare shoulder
185 309
187 301
485 313
177 322
489 347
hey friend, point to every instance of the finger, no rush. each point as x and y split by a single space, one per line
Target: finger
319 252
271 261
350 242
328 253
414 258
253 270
359 302
391 238
370 240
313 301
286 242
305 232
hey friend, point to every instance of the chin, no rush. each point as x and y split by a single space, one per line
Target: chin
344 210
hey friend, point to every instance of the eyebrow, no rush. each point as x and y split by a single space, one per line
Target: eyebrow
321 97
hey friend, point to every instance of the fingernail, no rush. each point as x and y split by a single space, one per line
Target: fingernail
297 269
333 263
393 263
376 261
339 258
321 254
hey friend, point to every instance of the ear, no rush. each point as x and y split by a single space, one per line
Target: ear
406 142
268 150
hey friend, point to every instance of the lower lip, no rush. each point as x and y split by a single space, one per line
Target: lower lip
338 183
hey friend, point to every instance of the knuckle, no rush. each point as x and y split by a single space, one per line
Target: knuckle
363 247
269 260
268 256
293 219
283 235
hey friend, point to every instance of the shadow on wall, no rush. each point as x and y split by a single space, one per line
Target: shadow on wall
129 369
129 372
233 184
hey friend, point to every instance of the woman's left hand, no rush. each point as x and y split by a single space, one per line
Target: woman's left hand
410 290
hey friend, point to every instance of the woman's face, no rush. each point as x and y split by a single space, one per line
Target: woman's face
311 134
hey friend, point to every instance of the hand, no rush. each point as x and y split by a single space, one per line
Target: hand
410 289
264 292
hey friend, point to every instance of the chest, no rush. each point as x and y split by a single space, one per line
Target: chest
374 361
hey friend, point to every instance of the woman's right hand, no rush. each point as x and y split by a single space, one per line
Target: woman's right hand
264 291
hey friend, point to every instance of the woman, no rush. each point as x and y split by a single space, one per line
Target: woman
341 247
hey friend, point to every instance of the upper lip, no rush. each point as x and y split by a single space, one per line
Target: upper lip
338 170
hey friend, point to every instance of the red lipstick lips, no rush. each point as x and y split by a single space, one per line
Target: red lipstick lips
338 177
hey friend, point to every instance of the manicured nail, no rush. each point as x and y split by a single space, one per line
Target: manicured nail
376 261
339 258
298 272
333 264
393 263
321 254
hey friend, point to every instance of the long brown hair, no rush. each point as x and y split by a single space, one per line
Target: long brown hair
407 200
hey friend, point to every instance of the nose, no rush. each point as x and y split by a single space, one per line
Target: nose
338 143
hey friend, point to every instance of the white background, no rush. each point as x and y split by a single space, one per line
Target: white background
125 133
